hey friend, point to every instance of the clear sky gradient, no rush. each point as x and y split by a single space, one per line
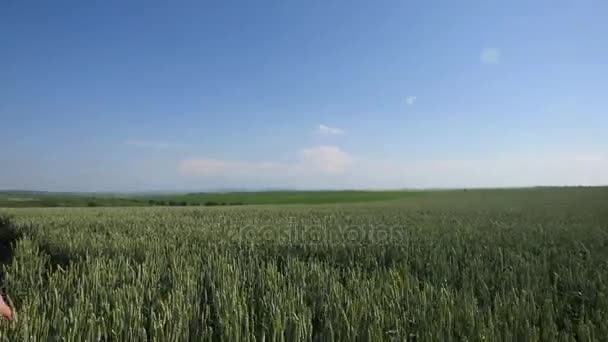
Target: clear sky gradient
174 95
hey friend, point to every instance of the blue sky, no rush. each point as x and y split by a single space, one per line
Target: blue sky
174 95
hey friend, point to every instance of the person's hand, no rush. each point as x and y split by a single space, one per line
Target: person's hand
5 310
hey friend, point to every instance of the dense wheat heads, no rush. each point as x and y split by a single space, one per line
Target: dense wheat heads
428 271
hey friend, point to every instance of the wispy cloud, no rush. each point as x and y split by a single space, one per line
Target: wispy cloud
324 159
326 130
155 144
410 100
331 159
330 166
490 56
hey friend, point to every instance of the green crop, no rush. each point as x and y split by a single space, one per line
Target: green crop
492 266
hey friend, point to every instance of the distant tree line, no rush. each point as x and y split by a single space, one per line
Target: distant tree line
173 203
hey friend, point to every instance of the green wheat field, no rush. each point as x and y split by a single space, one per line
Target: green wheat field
477 265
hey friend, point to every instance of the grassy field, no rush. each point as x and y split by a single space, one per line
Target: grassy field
491 265
289 197
38 199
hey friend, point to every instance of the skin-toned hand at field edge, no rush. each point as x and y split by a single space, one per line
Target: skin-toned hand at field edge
5 310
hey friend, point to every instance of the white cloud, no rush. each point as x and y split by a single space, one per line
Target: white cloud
327 158
310 171
329 130
332 167
490 56
154 144
410 100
